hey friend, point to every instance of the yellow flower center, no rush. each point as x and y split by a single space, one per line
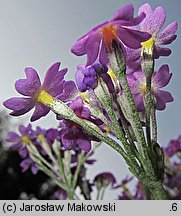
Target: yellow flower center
25 139
84 95
143 88
41 138
124 187
108 34
44 98
147 46
111 74
107 129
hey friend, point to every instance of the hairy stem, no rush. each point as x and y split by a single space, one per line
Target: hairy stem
148 105
158 192
105 100
116 64
154 124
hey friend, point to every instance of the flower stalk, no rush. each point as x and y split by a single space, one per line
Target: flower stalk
150 169
148 68
135 121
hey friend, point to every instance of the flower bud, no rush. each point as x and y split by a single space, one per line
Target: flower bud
86 78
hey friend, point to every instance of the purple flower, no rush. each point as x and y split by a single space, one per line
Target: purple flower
31 88
101 70
173 181
18 141
72 136
125 193
40 131
69 92
104 179
51 135
29 163
96 41
152 24
160 78
86 78
61 194
173 147
139 193
126 180
79 109
124 196
82 111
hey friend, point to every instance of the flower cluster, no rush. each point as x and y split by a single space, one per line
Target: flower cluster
122 29
25 138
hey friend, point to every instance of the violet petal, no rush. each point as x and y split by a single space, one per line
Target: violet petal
125 13
154 20
162 76
40 111
132 38
19 106
168 34
83 142
162 97
30 85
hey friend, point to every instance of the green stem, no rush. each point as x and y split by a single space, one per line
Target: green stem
59 162
70 195
148 64
125 126
77 172
102 94
148 105
48 172
95 131
158 192
134 116
147 193
98 194
103 192
67 168
154 124
33 150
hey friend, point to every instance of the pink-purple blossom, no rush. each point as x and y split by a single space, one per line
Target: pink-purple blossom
60 194
19 141
96 41
87 77
160 78
104 179
29 163
173 147
72 135
153 24
30 88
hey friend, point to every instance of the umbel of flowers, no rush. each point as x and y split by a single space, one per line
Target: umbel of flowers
117 94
